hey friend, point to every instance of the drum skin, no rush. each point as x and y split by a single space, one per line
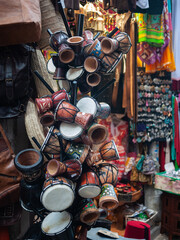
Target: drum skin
89 186
58 194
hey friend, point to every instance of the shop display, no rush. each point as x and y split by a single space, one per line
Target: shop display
154 107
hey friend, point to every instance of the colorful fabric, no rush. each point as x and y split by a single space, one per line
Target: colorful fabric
150 29
149 54
176 37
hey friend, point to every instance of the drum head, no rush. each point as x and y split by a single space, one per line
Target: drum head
57 198
89 191
50 66
87 105
70 131
74 73
64 84
56 222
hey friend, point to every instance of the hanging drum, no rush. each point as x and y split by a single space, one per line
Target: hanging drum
57 225
51 144
58 194
107 173
109 151
89 186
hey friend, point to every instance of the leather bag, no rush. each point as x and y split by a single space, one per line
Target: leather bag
9 175
20 22
15 78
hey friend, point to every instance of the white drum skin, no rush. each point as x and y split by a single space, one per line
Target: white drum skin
70 131
88 105
74 73
50 66
89 191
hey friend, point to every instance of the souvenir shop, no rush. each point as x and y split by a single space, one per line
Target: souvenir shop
89 120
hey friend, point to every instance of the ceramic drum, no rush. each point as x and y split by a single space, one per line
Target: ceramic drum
67 112
109 151
58 194
88 105
89 186
108 199
74 74
88 213
73 169
77 151
70 131
108 173
57 225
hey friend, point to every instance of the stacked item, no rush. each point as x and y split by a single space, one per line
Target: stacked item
61 190
154 107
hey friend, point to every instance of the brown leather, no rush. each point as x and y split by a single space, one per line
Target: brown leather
20 22
9 176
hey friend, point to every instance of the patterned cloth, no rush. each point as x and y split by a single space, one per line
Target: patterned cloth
150 29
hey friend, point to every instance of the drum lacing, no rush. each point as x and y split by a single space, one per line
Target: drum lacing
123 45
70 111
106 150
109 173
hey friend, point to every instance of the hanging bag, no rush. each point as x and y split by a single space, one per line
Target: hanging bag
20 22
10 210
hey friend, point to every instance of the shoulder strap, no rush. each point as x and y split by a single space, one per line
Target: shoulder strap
6 140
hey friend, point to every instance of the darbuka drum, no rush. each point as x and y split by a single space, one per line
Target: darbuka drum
90 186
88 105
67 112
77 151
57 194
108 199
74 74
109 151
107 173
70 131
73 169
57 225
64 84
50 66
51 144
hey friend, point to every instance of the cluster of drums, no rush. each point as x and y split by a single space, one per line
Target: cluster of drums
85 58
61 188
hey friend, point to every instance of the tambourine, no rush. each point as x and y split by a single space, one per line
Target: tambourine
58 194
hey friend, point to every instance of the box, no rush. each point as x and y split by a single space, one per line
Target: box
150 221
167 184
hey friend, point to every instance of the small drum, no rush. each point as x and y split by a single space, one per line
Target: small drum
51 144
47 119
74 74
67 112
109 151
70 131
88 212
124 42
57 225
50 66
64 84
108 199
91 64
90 186
57 39
97 133
107 173
55 168
109 62
88 105
104 111
77 151
58 96
58 194
73 169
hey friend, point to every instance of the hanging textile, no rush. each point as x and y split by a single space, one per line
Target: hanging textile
176 46
155 6
150 29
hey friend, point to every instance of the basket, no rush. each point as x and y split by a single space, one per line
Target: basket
129 197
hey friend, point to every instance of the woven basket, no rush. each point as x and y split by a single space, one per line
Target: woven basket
129 197
50 19
38 63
